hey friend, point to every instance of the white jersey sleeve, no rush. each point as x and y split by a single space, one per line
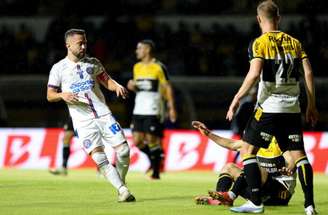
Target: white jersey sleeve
54 78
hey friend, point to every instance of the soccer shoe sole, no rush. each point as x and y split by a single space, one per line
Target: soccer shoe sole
220 197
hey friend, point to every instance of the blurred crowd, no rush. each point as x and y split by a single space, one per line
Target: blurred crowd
190 50
150 7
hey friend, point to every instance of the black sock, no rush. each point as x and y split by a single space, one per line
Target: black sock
145 149
240 186
66 153
305 175
224 182
155 160
253 179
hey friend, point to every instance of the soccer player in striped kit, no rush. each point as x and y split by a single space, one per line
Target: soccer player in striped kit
275 58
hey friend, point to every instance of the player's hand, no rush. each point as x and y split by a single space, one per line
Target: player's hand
286 171
131 85
70 98
121 91
201 127
232 109
172 115
312 115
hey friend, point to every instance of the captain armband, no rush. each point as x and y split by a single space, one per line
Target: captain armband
103 77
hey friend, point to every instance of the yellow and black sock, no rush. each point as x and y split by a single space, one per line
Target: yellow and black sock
224 182
155 159
145 149
240 186
305 175
253 178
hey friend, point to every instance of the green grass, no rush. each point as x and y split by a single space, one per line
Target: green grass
26 192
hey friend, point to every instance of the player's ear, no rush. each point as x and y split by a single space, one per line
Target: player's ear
278 19
258 19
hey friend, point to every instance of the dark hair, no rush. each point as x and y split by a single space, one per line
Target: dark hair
268 9
149 43
73 31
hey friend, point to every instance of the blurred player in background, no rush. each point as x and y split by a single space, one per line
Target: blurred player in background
79 77
151 84
278 178
275 58
68 136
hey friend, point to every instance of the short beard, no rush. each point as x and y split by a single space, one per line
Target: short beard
79 55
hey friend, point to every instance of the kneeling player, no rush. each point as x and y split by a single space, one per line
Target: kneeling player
278 181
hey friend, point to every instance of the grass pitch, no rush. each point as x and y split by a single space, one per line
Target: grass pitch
27 192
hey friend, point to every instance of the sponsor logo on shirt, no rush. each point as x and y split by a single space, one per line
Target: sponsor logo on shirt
82 86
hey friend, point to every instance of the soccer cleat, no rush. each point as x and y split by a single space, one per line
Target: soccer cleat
223 197
310 210
126 196
206 200
61 171
152 177
248 207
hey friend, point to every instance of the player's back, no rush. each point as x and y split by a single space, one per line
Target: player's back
279 86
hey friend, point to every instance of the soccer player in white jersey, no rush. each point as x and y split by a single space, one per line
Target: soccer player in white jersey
76 80
275 58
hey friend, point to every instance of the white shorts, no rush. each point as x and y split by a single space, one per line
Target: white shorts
100 132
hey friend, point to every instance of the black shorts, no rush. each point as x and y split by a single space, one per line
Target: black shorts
147 124
274 193
68 126
285 127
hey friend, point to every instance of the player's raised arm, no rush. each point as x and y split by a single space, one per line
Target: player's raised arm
234 145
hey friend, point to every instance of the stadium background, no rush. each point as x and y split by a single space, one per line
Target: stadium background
203 43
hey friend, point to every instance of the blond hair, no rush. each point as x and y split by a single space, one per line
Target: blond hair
268 9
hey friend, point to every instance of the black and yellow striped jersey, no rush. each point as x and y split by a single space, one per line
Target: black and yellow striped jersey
149 79
279 85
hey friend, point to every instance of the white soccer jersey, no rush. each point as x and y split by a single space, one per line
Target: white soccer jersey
81 78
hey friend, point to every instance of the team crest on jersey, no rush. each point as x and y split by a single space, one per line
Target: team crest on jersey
87 143
89 70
